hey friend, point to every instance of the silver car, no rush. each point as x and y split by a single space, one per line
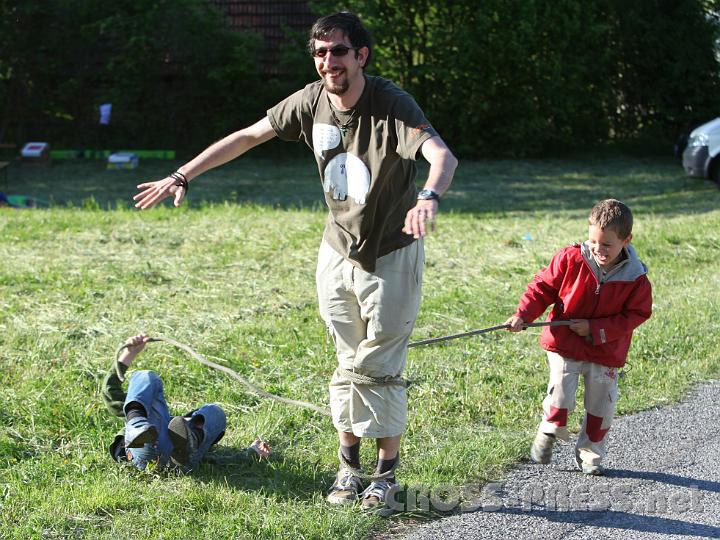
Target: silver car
701 157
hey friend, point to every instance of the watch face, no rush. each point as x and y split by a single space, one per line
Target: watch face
427 194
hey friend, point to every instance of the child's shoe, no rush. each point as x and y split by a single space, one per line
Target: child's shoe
588 468
346 488
374 497
139 431
184 440
542 447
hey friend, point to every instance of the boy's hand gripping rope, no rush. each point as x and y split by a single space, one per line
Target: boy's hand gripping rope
485 331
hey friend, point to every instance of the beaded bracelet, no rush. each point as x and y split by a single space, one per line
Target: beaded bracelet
180 180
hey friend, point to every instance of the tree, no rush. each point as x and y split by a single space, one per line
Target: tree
176 74
529 76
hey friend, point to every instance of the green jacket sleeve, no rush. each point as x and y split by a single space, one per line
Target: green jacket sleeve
113 394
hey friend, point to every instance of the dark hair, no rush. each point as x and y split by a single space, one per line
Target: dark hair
349 24
614 215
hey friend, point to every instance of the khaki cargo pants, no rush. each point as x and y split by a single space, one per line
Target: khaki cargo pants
601 384
370 317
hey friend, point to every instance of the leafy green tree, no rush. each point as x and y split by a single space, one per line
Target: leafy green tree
666 75
496 77
176 74
530 76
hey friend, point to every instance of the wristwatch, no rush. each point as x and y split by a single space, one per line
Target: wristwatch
428 194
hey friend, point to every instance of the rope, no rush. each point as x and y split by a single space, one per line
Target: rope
485 331
250 386
372 477
367 380
356 378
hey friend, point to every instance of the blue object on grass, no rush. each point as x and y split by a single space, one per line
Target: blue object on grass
21 201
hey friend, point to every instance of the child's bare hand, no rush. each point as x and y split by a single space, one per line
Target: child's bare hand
135 345
261 447
516 324
581 327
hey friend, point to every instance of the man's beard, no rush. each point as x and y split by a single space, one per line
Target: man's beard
338 88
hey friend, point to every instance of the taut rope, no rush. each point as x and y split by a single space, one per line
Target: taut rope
485 331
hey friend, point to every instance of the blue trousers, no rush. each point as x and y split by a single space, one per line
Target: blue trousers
146 388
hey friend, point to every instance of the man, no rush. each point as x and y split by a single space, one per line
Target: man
366 134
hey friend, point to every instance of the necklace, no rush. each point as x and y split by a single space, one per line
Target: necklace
343 126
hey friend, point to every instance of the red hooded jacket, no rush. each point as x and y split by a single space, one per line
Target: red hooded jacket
615 303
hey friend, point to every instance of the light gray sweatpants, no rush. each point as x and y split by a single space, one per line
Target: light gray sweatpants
370 317
601 384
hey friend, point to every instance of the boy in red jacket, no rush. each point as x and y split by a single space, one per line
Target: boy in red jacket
602 288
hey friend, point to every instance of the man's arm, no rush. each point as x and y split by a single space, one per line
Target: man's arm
227 149
442 167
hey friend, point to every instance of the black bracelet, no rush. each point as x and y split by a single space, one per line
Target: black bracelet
180 180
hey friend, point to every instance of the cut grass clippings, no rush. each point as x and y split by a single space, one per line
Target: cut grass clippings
235 280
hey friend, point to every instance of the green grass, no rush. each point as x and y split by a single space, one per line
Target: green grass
233 276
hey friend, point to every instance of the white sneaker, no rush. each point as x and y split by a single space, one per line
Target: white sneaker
588 468
542 447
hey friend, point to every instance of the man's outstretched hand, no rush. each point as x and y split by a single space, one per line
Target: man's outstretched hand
154 192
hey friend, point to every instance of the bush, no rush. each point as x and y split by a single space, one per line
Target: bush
176 74
525 77
496 77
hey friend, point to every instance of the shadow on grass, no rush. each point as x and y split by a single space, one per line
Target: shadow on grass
656 184
278 475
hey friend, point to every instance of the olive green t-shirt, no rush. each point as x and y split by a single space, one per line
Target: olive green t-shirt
366 159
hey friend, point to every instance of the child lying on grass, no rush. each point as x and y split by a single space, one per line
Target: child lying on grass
151 435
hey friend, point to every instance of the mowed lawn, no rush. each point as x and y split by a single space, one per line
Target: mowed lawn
232 275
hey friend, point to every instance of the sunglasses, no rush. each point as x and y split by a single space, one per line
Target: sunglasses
337 50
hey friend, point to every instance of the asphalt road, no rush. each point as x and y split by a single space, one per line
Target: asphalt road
662 481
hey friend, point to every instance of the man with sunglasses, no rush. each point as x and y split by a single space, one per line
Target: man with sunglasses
366 134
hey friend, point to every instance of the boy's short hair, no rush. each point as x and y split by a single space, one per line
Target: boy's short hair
614 215
349 24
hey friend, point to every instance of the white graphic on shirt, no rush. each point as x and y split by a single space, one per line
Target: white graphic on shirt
325 137
345 175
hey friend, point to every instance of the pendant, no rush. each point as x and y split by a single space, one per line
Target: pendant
343 130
